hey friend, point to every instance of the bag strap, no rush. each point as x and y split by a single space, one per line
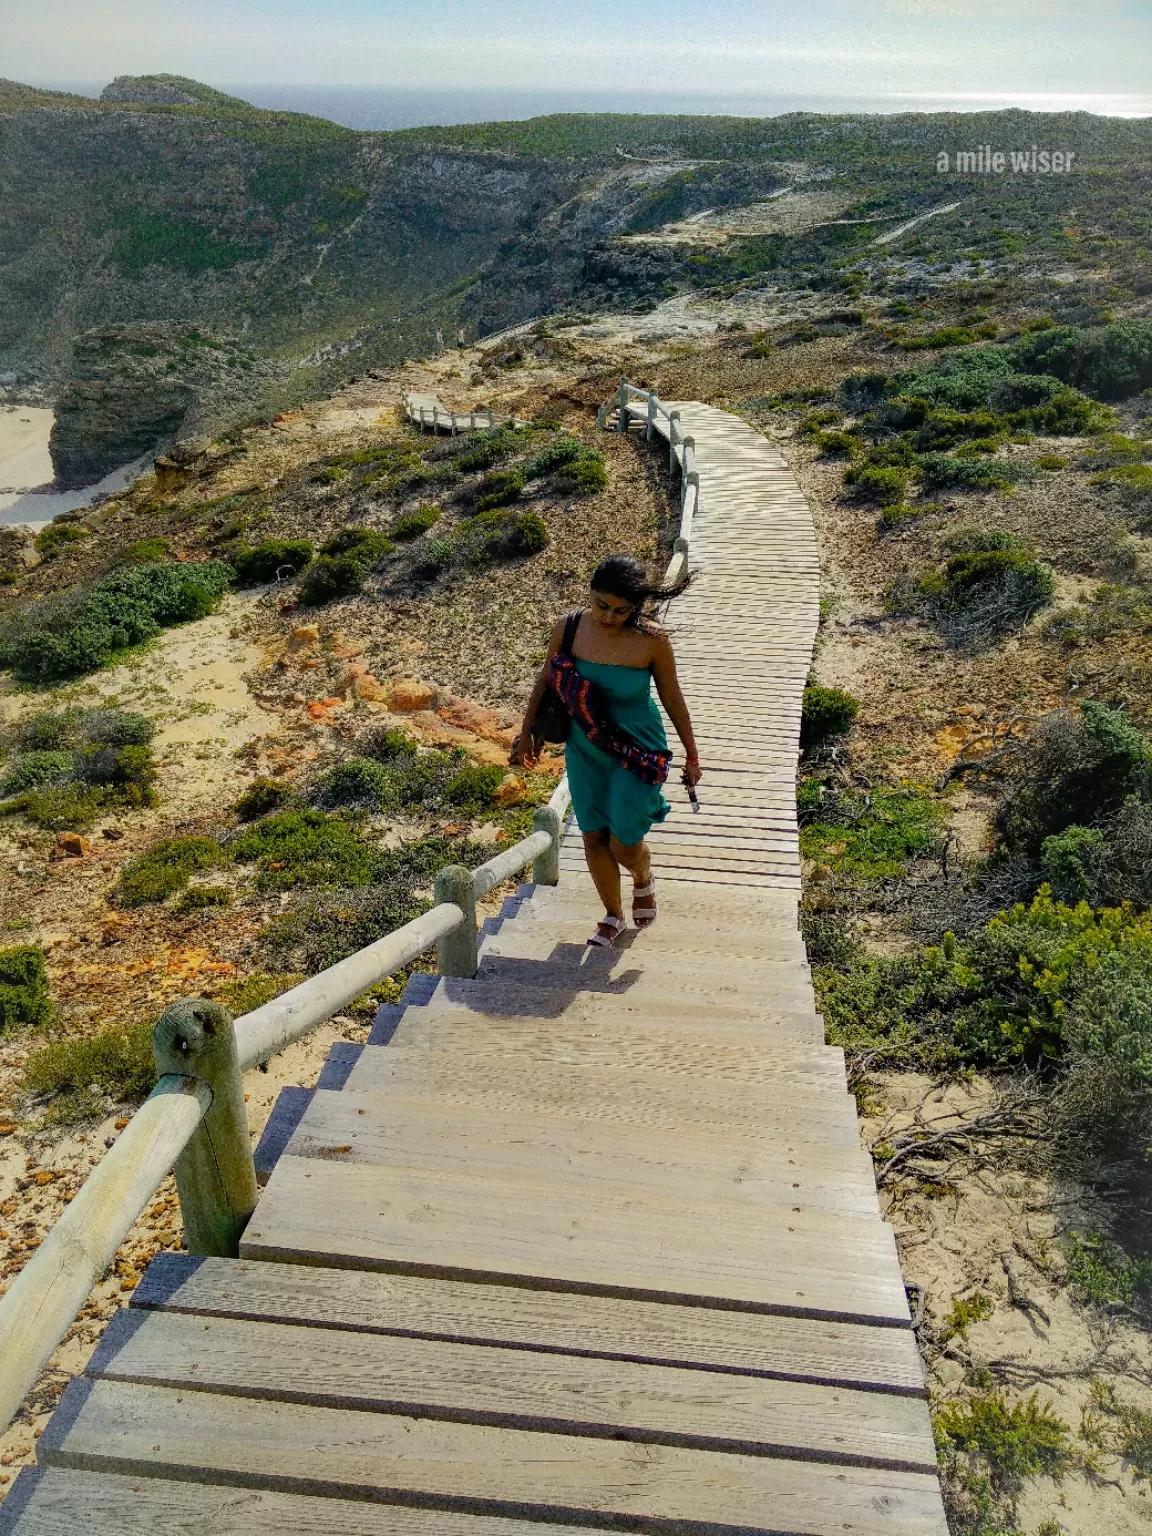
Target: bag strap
571 624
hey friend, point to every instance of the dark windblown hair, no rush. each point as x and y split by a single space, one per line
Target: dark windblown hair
625 576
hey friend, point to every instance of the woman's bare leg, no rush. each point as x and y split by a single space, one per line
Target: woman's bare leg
604 869
637 860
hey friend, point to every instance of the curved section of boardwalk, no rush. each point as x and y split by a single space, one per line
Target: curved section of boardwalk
588 1241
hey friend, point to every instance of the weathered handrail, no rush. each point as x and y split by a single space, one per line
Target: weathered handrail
451 421
40 1305
681 456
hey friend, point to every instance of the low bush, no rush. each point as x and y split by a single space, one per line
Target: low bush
988 1446
115 728
36 769
330 577
24 998
58 536
367 545
165 869
991 585
145 552
263 796
585 475
115 1064
472 789
962 472
483 449
270 560
388 745
870 836
126 774
200 898
499 489
555 455
836 445
360 781
826 712
485 539
87 629
307 848
884 485
413 524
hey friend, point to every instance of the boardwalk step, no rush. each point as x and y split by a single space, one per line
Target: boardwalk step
782 1180
518 1389
717 982
882 1360
601 965
637 1096
500 999
49 1501
346 1213
352 1454
705 1051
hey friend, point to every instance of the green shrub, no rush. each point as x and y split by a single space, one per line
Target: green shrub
65 808
367 545
471 789
128 772
837 445
117 1063
263 796
388 745
499 489
330 577
87 629
307 848
826 712
359 781
24 999
944 428
871 837
35 769
884 485
165 869
1073 771
198 898
57 536
1110 362
145 552
554 456
1012 1441
415 523
585 475
1101 1273
435 556
115 728
944 470
524 535
270 560
483 449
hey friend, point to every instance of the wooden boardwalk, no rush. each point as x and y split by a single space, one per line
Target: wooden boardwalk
588 1241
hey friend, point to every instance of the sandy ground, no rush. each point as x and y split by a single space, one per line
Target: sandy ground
26 469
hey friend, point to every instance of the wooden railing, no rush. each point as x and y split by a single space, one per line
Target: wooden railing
452 421
194 1118
681 456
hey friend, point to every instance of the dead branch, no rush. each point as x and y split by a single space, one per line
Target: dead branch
1020 1297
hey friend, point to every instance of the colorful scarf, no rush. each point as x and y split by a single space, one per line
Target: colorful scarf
581 699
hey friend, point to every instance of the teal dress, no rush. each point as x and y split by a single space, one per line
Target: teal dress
604 792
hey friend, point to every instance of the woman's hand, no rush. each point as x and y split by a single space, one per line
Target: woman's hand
692 771
521 755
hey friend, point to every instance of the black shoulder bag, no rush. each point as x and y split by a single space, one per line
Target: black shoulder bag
552 722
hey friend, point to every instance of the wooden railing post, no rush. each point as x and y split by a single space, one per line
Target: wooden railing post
456 953
650 425
673 438
622 408
215 1176
546 865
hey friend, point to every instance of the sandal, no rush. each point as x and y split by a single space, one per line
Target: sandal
606 940
646 915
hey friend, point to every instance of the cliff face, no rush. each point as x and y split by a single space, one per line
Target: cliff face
131 387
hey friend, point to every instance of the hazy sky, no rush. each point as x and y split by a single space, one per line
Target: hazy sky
766 46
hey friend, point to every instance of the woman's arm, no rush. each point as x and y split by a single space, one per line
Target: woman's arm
522 753
668 687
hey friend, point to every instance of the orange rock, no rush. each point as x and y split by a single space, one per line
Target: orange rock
510 791
408 693
70 845
368 689
304 637
321 709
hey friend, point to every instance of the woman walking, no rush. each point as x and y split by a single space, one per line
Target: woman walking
599 667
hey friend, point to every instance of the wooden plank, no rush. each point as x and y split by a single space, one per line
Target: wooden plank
366 1217
635 1096
517 1389
204 1437
521 943
881 1360
553 1002
577 1162
774 1025
49 1501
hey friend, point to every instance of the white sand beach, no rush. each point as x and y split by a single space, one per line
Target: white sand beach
26 474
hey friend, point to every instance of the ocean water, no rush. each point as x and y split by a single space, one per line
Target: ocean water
381 107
